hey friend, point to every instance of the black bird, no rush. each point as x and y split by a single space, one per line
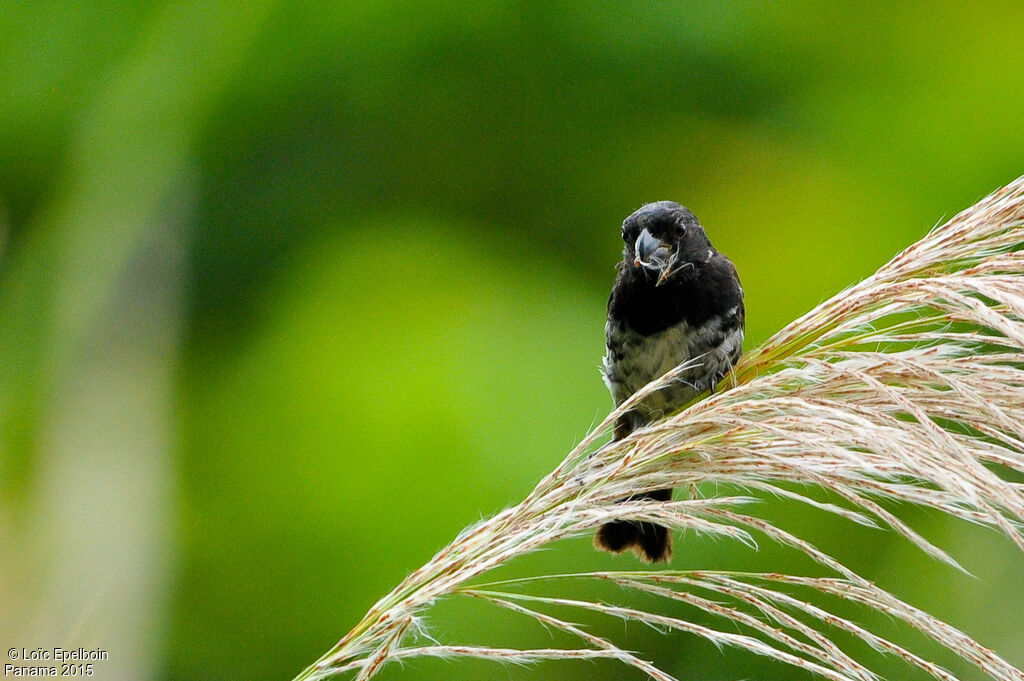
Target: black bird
676 299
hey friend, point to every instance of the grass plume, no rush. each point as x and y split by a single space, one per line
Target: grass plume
907 387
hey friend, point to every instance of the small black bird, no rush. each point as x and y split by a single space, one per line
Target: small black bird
676 299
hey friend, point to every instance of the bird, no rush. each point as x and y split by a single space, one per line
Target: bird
675 300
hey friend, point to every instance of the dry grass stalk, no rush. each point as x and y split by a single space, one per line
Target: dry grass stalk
908 387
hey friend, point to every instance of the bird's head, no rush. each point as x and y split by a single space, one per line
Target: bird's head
665 240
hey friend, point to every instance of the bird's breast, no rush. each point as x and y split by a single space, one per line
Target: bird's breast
633 360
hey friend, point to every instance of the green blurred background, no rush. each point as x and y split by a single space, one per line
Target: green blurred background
292 292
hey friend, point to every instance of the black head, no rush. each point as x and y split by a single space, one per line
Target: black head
665 240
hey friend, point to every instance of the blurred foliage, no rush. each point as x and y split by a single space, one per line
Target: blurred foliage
400 221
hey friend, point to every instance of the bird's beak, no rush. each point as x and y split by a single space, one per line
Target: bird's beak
652 254
645 247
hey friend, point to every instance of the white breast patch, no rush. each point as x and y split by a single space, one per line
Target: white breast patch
644 358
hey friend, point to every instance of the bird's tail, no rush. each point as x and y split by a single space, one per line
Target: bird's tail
648 541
